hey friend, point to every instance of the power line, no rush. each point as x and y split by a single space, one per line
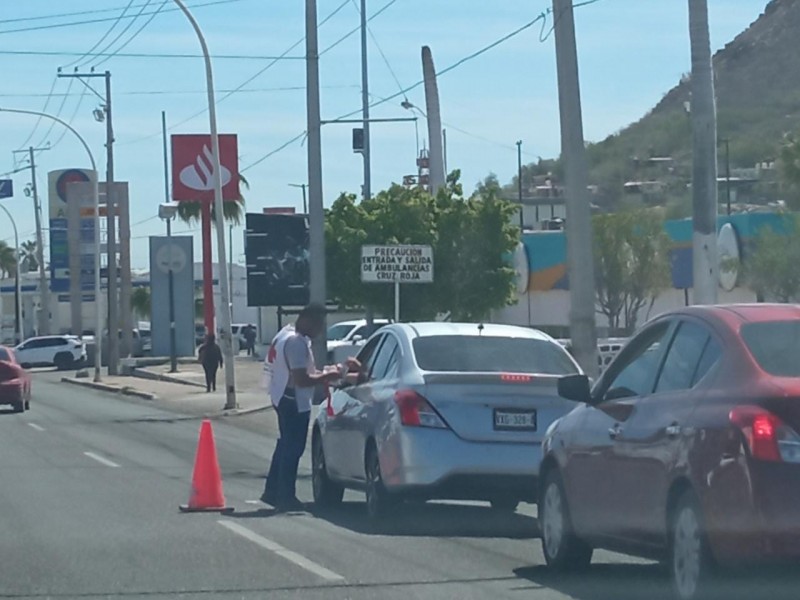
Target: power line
58 114
108 19
64 130
238 88
80 13
105 35
291 88
135 33
353 31
147 55
378 46
39 118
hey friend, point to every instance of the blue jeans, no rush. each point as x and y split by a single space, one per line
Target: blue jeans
293 426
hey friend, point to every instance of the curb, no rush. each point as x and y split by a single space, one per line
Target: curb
142 374
103 387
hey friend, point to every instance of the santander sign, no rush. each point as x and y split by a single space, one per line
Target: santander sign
193 168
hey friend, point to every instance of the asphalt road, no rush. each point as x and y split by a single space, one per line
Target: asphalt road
89 491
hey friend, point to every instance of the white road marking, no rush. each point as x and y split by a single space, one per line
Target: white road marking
252 501
298 559
36 427
101 460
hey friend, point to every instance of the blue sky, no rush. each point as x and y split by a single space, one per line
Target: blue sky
631 52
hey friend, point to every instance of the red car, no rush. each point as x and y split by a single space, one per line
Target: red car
686 450
15 383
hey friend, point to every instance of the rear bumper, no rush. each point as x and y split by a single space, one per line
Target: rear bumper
435 463
10 394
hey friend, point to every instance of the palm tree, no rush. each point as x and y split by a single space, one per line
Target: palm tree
28 257
140 302
233 210
8 260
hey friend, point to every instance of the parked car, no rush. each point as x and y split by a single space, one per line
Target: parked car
62 351
237 329
15 383
441 410
347 337
686 449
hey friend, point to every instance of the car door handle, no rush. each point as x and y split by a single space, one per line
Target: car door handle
615 431
673 430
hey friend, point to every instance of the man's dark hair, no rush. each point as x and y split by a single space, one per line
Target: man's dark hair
313 311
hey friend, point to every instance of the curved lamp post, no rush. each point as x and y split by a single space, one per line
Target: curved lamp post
18 296
225 304
98 329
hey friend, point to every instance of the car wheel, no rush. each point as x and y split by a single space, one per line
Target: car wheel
326 493
378 499
508 505
63 361
563 551
19 406
690 558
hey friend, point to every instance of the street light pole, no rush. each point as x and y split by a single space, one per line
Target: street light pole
17 294
365 104
44 284
728 173
96 193
225 309
519 187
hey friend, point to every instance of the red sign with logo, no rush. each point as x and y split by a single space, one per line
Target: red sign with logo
193 167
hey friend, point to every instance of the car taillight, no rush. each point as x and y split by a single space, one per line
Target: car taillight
416 411
768 438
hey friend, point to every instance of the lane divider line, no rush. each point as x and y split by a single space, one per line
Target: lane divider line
293 557
101 460
36 427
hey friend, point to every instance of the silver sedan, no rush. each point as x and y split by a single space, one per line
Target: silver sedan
441 411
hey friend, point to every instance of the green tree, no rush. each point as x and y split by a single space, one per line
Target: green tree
8 260
470 238
28 256
789 166
631 255
140 302
233 210
771 270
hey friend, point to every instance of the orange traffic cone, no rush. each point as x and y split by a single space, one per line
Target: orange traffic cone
207 494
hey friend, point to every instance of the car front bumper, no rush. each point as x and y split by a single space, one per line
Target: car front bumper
435 463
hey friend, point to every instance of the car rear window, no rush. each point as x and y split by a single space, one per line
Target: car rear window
475 354
775 345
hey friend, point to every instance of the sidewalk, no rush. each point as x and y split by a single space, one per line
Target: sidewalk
185 390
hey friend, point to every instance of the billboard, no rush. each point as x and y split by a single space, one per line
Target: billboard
58 182
172 254
193 167
277 254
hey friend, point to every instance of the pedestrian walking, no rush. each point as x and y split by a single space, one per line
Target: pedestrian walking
250 339
210 356
292 379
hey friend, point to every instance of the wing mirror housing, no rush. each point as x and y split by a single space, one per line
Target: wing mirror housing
357 338
576 388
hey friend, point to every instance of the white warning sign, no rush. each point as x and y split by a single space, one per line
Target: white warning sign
397 264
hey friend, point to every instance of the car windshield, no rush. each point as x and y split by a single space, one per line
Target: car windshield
339 331
474 354
775 345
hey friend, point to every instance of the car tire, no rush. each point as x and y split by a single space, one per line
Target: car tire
379 500
562 549
19 406
506 505
691 564
63 361
327 494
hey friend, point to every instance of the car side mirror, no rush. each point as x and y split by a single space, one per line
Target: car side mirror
575 388
357 338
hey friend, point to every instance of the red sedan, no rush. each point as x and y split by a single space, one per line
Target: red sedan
15 383
686 450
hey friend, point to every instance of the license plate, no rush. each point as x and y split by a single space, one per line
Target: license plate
515 420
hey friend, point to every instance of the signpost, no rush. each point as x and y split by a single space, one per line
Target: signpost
397 264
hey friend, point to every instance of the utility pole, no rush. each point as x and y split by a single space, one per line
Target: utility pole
704 168
302 186
583 328
111 224
316 214
519 187
365 103
44 284
728 173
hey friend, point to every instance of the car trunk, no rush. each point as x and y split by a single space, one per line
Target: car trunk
496 407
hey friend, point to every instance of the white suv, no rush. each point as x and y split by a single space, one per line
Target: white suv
62 351
346 337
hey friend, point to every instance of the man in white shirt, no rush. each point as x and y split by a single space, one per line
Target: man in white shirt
293 379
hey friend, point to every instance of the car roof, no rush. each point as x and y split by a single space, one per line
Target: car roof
359 322
734 315
470 329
